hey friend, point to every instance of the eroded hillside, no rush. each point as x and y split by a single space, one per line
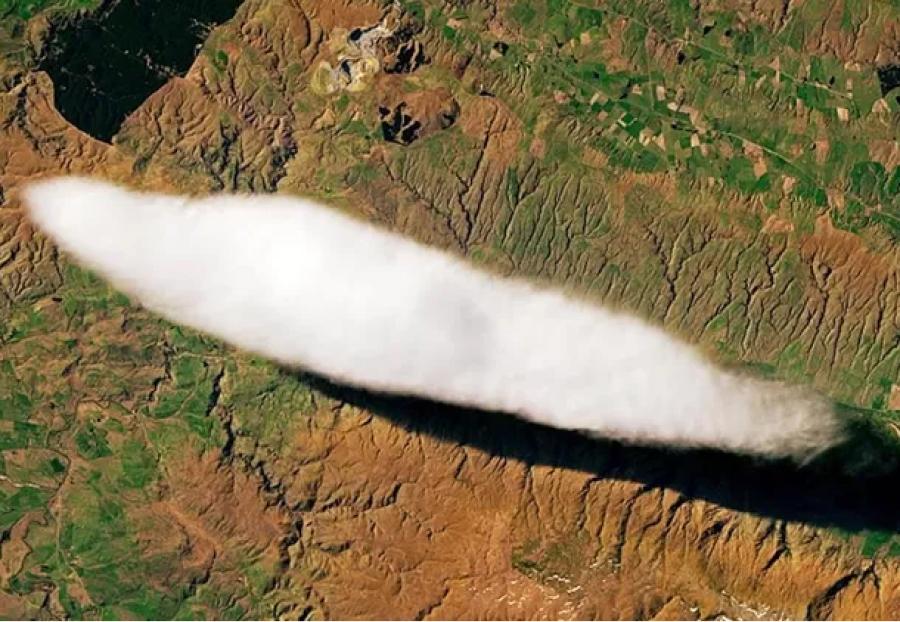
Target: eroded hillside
726 169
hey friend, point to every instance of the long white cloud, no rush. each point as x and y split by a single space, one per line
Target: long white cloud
304 285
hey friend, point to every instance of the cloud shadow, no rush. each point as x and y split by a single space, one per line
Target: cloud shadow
852 487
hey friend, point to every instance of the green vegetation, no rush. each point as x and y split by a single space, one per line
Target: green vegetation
26 9
14 15
876 541
719 108
748 124
552 562
89 537
621 116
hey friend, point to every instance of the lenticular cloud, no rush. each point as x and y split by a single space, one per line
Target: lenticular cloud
304 285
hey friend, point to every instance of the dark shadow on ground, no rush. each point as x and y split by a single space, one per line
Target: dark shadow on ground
105 64
852 487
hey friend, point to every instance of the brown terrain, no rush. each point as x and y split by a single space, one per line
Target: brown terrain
312 500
